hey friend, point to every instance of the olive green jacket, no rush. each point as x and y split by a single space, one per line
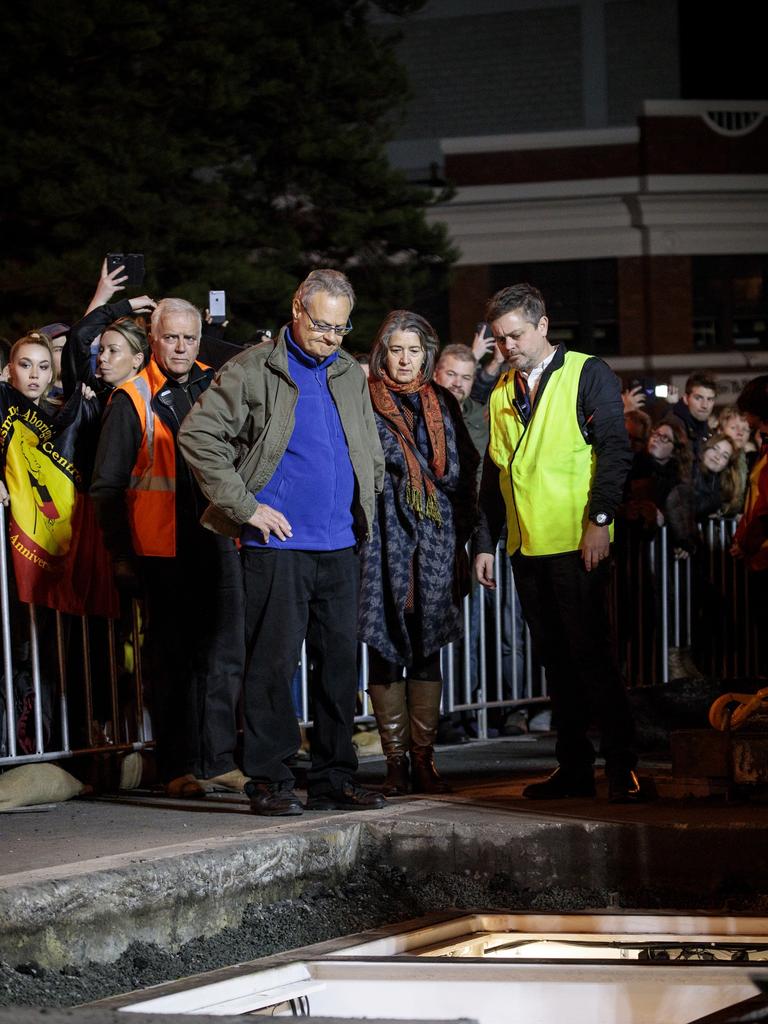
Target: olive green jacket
236 435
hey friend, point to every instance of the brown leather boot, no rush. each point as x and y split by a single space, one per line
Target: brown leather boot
391 714
424 714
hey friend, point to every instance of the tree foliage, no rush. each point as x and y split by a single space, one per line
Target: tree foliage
237 144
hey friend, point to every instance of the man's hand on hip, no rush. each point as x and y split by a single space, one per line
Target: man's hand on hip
268 520
595 545
484 569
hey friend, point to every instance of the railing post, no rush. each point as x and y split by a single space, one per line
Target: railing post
497 622
727 642
5 614
304 683
61 655
514 611
87 679
37 688
677 599
469 640
482 715
364 677
652 620
664 605
114 697
448 666
138 674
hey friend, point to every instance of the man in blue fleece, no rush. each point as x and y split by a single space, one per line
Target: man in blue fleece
286 450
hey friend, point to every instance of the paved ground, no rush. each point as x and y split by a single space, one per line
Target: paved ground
65 838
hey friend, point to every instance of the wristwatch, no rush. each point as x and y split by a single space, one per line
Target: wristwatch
601 519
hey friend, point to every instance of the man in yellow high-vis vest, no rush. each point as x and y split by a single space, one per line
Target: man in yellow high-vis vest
555 468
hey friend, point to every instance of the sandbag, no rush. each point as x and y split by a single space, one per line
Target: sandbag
31 784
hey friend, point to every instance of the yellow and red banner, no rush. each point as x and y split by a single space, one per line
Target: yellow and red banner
58 553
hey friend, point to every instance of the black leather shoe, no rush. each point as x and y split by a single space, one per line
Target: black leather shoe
562 784
273 799
348 798
624 787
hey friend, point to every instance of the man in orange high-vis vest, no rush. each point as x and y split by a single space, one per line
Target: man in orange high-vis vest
190 579
557 461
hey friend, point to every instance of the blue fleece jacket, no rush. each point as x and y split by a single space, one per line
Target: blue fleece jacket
313 485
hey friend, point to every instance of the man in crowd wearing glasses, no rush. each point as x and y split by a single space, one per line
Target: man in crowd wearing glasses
556 465
285 448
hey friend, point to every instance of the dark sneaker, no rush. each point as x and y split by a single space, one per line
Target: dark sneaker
273 799
349 798
561 785
624 787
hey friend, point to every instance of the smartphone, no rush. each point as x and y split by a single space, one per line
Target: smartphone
217 307
647 385
134 267
661 390
484 330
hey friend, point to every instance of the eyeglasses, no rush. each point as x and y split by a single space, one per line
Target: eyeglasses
662 437
321 328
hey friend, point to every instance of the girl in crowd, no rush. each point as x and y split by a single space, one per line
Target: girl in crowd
655 471
57 556
30 368
123 348
714 488
414 570
716 482
123 351
731 423
24 490
736 428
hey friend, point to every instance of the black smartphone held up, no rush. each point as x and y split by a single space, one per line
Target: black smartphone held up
217 307
647 384
134 267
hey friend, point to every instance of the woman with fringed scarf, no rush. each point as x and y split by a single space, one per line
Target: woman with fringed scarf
414 568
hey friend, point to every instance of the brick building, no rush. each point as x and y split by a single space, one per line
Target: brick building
643 217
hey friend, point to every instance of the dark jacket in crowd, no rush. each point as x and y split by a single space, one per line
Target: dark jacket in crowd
407 551
477 423
698 432
236 437
690 503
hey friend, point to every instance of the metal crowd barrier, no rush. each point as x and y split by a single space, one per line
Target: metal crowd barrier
661 606
122 732
681 615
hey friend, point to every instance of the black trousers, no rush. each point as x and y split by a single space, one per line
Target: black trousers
290 594
566 610
195 655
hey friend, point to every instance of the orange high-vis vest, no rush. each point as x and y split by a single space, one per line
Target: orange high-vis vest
151 494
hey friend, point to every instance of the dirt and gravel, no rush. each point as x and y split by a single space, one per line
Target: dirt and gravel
366 899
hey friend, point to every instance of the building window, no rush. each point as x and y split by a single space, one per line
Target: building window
581 298
730 302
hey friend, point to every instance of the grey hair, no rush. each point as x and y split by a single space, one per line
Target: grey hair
172 305
325 280
524 297
404 320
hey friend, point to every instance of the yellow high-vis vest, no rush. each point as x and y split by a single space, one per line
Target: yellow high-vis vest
546 469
